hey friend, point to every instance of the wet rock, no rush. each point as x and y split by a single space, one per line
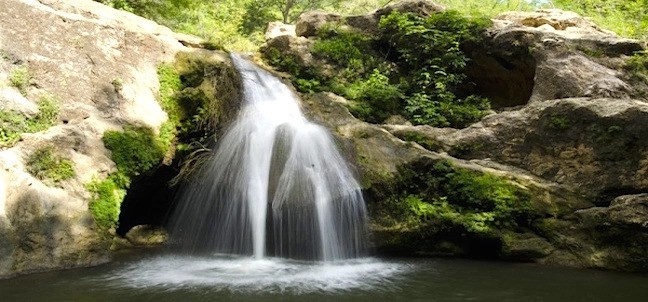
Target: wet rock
147 236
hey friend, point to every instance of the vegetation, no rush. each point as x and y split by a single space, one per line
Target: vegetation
421 139
13 124
106 199
134 150
637 65
441 197
558 122
19 78
49 167
430 49
628 18
195 93
413 67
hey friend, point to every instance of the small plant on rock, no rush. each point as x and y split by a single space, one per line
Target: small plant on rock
50 167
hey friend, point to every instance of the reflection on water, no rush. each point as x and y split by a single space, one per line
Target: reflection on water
163 278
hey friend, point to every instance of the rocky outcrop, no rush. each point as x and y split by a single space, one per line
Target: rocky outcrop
99 65
595 146
569 132
310 22
551 54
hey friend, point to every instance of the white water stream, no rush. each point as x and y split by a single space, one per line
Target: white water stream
275 186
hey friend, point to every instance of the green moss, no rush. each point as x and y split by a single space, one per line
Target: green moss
592 52
13 124
558 122
197 92
118 84
305 78
637 66
134 150
49 167
421 139
446 197
465 149
106 198
20 78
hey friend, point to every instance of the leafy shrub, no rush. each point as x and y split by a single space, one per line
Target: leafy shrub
627 18
49 167
429 51
413 68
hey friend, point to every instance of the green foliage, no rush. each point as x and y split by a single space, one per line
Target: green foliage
413 68
49 167
558 122
134 150
20 78
430 50
106 198
637 66
194 92
375 99
421 139
13 124
448 197
628 18
305 79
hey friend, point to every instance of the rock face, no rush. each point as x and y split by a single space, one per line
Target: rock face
551 54
99 64
570 130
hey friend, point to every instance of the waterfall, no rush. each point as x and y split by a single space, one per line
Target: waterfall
276 184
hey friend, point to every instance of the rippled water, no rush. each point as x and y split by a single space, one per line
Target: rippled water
249 275
177 278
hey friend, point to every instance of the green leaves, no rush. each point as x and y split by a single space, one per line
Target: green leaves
430 51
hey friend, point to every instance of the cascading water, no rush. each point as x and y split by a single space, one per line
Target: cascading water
277 189
276 185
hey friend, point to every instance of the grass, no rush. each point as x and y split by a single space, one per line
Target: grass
50 167
20 78
13 124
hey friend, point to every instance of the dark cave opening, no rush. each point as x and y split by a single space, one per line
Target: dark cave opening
149 200
506 79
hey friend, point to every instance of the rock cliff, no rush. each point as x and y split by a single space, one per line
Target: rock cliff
96 70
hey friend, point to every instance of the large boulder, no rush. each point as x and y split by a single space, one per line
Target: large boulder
551 54
100 67
310 22
595 146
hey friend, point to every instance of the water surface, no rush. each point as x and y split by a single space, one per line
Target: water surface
218 278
